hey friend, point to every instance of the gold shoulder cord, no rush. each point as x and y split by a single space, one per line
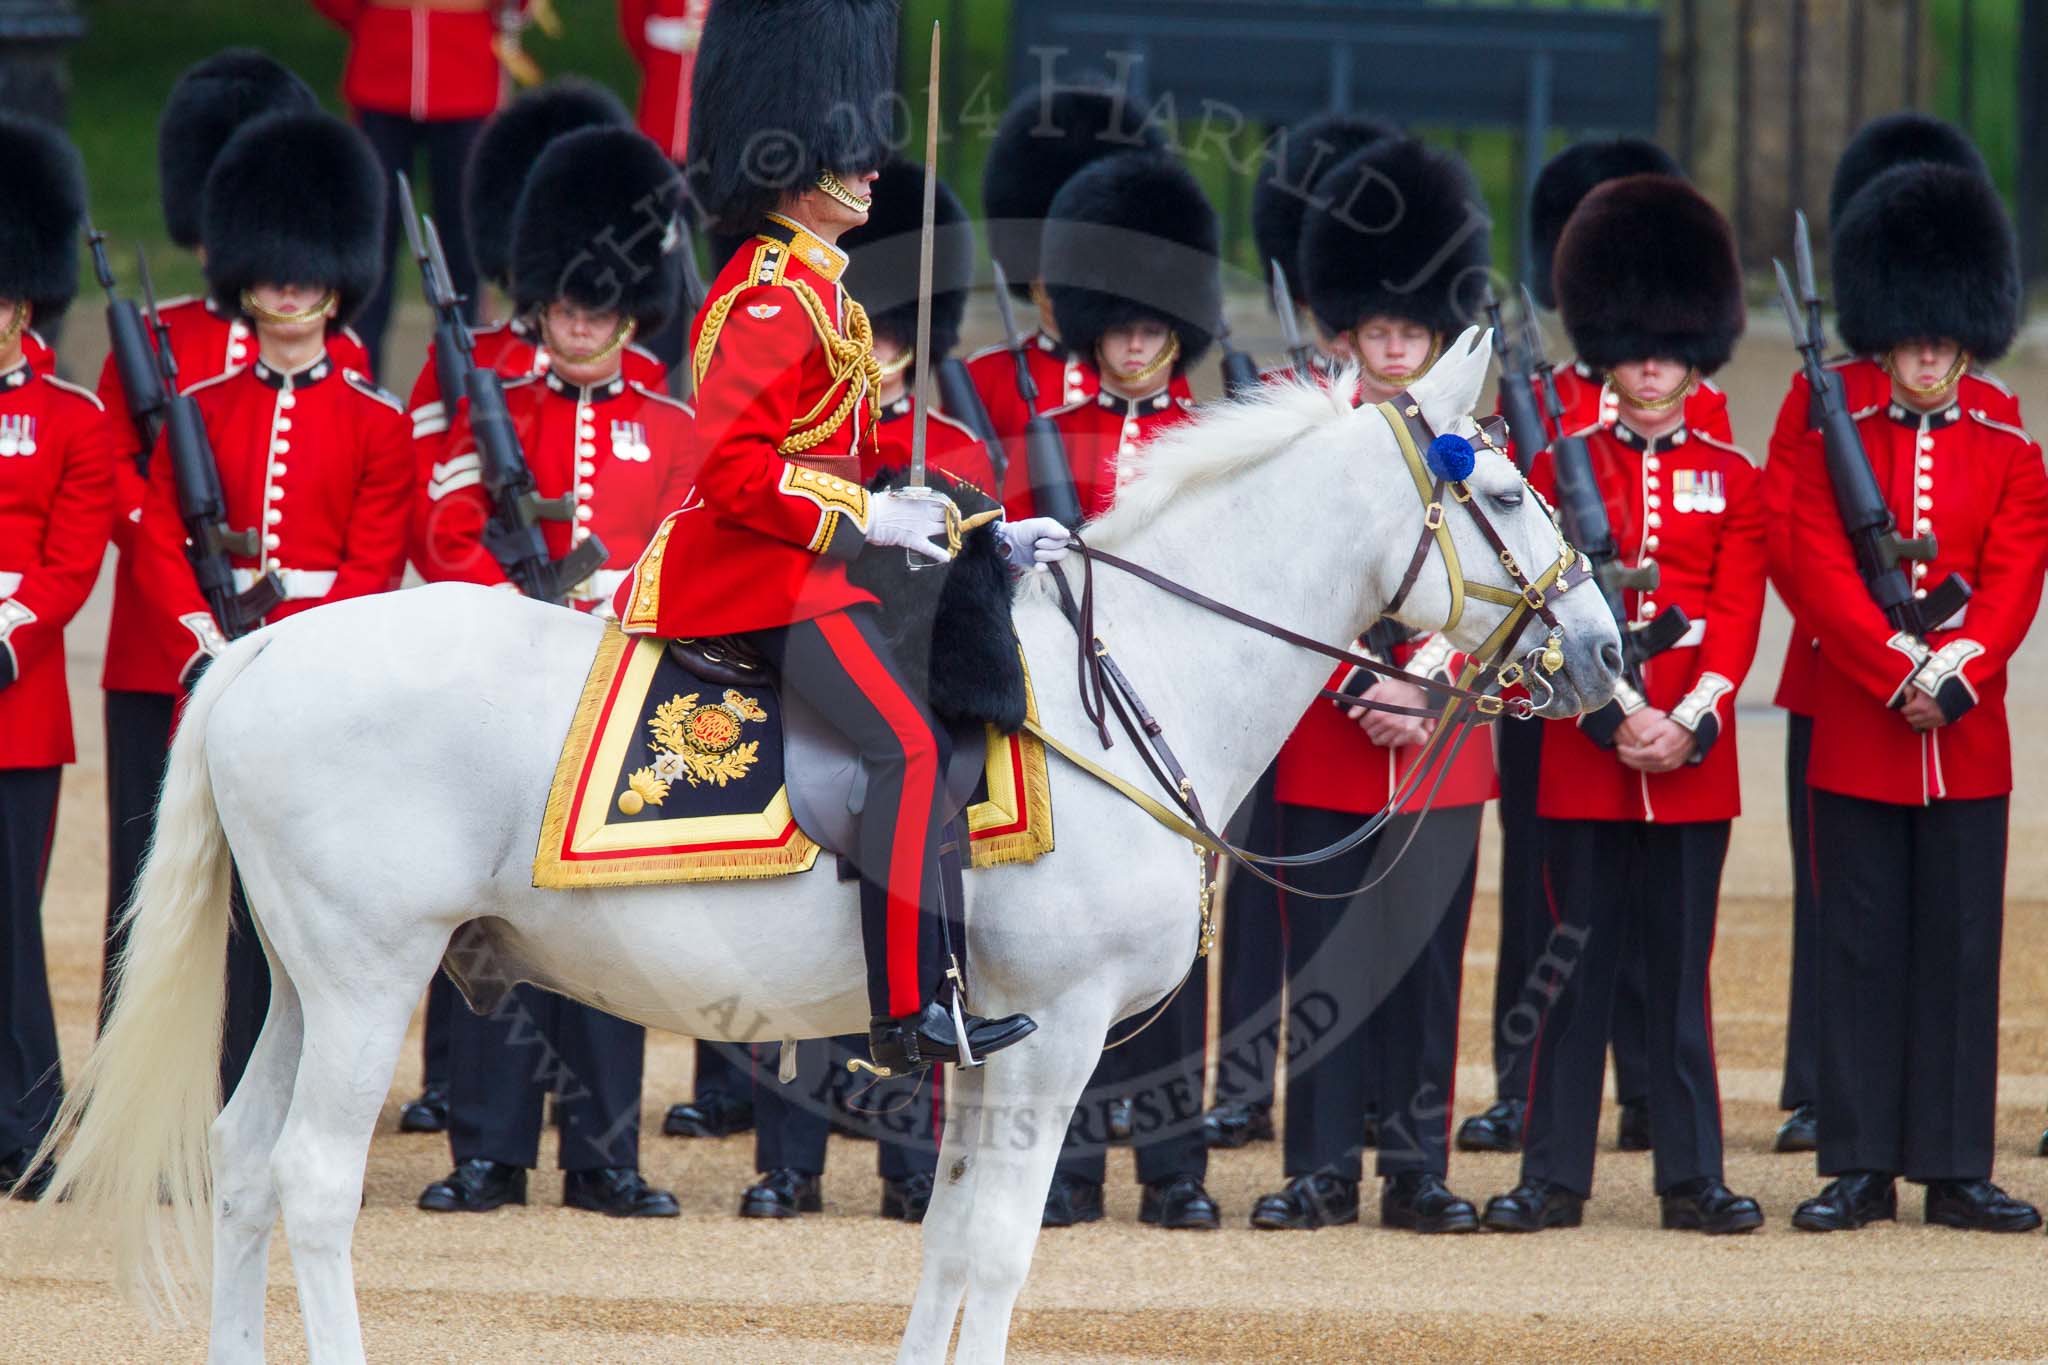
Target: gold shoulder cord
846 357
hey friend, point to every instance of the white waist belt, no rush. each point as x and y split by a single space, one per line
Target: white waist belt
10 583
599 586
299 584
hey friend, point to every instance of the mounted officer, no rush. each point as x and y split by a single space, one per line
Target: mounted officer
787 401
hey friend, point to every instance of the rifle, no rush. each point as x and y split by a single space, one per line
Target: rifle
201 504
1518 381
1045 454
959 399
1866 516
682 380
1586 525
141 386
513 533
1240 371
1300 355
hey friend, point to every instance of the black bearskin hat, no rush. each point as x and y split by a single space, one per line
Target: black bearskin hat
1132 238
1398 228
600 223
1566 179
1894 140
209 102
295 198
1047 136
883 271
505 151
784 91
1299 157
1646 268
1926 251
44 210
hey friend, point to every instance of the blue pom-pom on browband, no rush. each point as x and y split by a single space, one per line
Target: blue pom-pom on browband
1450 457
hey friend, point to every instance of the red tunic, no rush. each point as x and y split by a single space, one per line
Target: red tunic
950 446
57 454
1981 390
786 412
144 652
1099 434
418 61
1693 505
1063 378
625 452
319 462
662 36
1974 482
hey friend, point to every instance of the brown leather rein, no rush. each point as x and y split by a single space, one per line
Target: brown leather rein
1106 691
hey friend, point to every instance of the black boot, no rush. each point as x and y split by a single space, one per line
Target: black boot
782 1194
1499 1129
617 1191
1420 1202
1800 1132
1320 1199
1237 1123
714 1116
1632 1129
478 1185
918 1040
1071 1200
908 1198
1706 1205
1978 1206
1850 1201
426 1113
1179 1203
1533 1206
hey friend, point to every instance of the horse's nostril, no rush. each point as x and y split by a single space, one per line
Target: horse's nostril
1610 656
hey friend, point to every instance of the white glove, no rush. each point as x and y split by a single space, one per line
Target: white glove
897 518
1035 542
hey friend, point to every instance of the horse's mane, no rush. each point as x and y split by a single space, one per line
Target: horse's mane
1224 439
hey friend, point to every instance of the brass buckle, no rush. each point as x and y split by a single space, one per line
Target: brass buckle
1533 595
1433 516
1510 675
1461 492
1489 706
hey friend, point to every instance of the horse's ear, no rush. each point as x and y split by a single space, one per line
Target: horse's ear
1451 388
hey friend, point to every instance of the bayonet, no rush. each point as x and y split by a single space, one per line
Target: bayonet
1300 355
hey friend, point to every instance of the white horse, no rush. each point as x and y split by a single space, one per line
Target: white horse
376 772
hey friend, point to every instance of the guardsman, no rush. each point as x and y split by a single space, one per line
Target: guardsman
621 453
1910 772
1637 800
1891 140
423 73
1048 134
1131 270
209 102
787 399
57 453
1375 976
1526 926
313 458
1251 969
882 273
662 36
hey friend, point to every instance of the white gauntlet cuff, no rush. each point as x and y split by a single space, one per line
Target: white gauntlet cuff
1916 652
1941 677
1700 711
1433 658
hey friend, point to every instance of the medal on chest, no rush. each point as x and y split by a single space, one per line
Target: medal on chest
629 442
1698 490
17 435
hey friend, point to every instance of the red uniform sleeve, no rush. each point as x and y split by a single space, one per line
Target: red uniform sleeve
373 547
450 510
162 570
1734 606
746 405
59 574
1793 443
2009 568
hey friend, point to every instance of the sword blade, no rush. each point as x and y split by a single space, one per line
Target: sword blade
923 360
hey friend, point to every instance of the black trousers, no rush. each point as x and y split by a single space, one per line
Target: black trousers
138 741
535 1044
719 1073
397 142
1603 874
1802 1017
841 664
1254 939
1160 1072
905 1114
1524 918
442 1002
1912 913
30 1085
1373 983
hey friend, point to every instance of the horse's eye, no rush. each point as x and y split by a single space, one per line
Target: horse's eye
1507 502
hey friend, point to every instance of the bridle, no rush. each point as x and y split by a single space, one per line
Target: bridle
1106 691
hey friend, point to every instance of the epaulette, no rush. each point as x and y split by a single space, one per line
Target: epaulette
1719 444
1993 380
178 301
190 389
637 349
362 385
1711 387
664 399
87 394
1000 348
353 335
954 423
1077 405
1979 415
520 381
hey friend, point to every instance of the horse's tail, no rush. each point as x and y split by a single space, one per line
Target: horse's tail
138 1114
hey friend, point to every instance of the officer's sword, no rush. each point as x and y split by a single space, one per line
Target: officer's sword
922 376
1300 355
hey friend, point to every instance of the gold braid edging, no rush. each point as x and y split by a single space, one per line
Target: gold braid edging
846 357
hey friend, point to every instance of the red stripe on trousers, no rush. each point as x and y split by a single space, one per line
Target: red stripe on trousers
905 889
